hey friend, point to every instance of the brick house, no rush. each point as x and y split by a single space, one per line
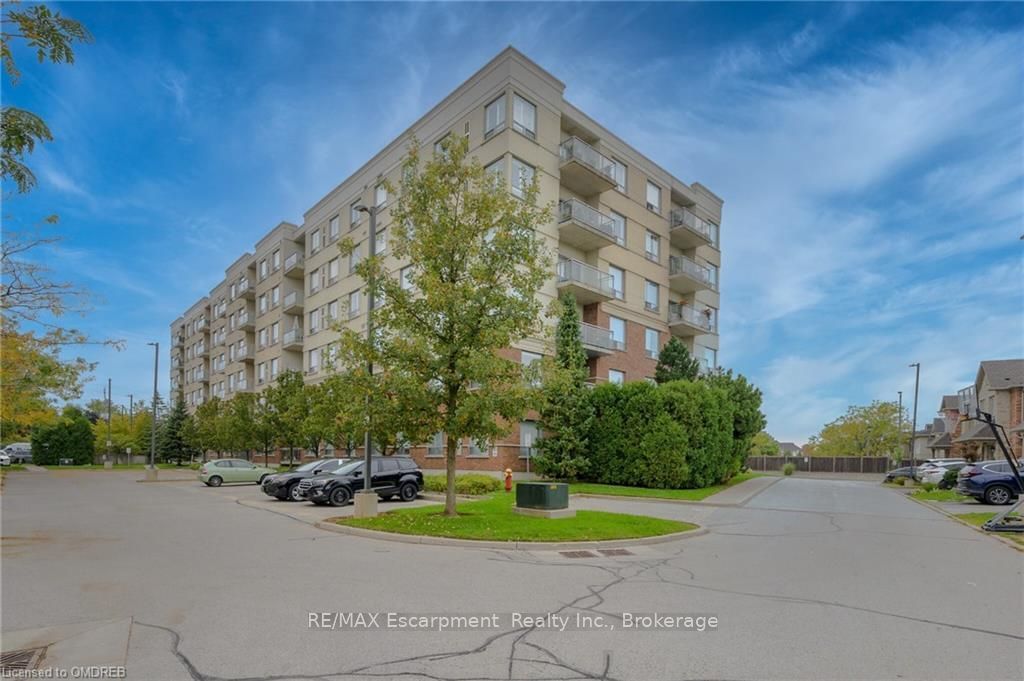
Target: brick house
998 390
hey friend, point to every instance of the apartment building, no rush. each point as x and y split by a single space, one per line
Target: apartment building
637 247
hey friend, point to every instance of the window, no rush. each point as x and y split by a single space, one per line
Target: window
618 227
713 228
527 437
618 328
494 117
405 278
653 197
651 343
616 377
708 357
618 281
332 310
619 173
262 338
334 227
314 321
354 214
314 241
382 242
275 260
496 170
263 303
381 195
314 360
436 445
527 359
476 450
273 368
524 116
522 177
353 304
652 246
274 329
332 270
353 260
263 269
651 296
712 274
275 295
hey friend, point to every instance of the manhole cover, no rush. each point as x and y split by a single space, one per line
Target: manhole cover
614 552
578 554
20 660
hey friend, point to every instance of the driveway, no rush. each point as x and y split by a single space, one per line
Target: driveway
809 579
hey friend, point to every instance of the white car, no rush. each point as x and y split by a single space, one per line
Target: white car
5 460
936 470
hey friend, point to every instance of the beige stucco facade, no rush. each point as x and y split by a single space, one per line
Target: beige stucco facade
638 247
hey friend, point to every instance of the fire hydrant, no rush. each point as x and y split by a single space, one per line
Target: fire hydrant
508 479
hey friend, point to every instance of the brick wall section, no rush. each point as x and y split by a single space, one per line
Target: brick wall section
1016 406
633 361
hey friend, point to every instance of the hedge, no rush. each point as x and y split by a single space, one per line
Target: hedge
470 483
71 437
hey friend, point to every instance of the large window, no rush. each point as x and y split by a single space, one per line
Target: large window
353 304
335 227
618 281
527 437
494 117
381 194
618 227
651 343
381 244
496 170
527 359
653 197
708 357
618 329
522 177
332 270
314 321
354 214
619 173
652 246
275 296
651 296
353 260
314 239
524 116
275 260
617 377
405 278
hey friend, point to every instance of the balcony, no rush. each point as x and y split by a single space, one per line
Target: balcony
294 266
587 283
177 340
201 377
241 385
202 351
200 324
685 320
584 169
686 230
597 341
245 322
585 227
243 354
293 303
292 340
245 290
686 275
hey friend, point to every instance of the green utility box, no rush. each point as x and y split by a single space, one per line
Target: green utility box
546 496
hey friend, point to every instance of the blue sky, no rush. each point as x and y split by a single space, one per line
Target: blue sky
871 158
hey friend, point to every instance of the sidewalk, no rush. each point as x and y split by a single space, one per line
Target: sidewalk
737 495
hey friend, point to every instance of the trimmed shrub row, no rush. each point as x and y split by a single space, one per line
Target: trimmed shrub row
469 484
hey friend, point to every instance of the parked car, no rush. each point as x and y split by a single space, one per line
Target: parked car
19 452
5 460
990 482
391 475
217 472
286 485
905 472
934 472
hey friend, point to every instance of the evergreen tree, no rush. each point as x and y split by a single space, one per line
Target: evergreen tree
675 363
171 443
566 414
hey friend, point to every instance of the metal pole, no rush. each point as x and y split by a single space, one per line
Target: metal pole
108 417
131 410
899 421
152 430
913 427
367 486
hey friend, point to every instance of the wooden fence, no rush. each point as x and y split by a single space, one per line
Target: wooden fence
822 464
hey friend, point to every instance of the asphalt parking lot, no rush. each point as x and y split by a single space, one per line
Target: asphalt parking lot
809 579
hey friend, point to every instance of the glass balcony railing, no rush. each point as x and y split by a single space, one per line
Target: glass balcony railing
292 261
575 149
292 337
681 312
595 336
680 264
681 217
292 299
573 209
587 275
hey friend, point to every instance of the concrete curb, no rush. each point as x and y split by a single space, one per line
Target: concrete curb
707 501
995 535
507 545
170 480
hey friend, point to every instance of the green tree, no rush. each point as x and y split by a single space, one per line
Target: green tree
675 363
288 410
748 419
764 444
241 423
566 413
264 426
69 437
172 436
476 264
211 433
870 430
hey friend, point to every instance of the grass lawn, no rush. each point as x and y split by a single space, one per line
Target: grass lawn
979 519
684 494
939 495
492 518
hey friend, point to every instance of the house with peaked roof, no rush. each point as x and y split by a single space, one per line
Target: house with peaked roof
790 449
998 390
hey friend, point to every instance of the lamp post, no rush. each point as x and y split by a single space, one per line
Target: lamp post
151 471
899 421
366 498
913 427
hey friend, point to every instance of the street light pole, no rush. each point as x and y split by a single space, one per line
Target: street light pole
366 498
899 421
151 471
108 417
131 410
913 427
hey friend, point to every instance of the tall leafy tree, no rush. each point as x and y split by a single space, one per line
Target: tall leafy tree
211 431
264 426
70 436
764 444
286 399
747 418
870 430
241 423
567 413
476 264
675 363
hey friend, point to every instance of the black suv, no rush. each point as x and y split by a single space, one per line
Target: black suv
391 475
286 485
